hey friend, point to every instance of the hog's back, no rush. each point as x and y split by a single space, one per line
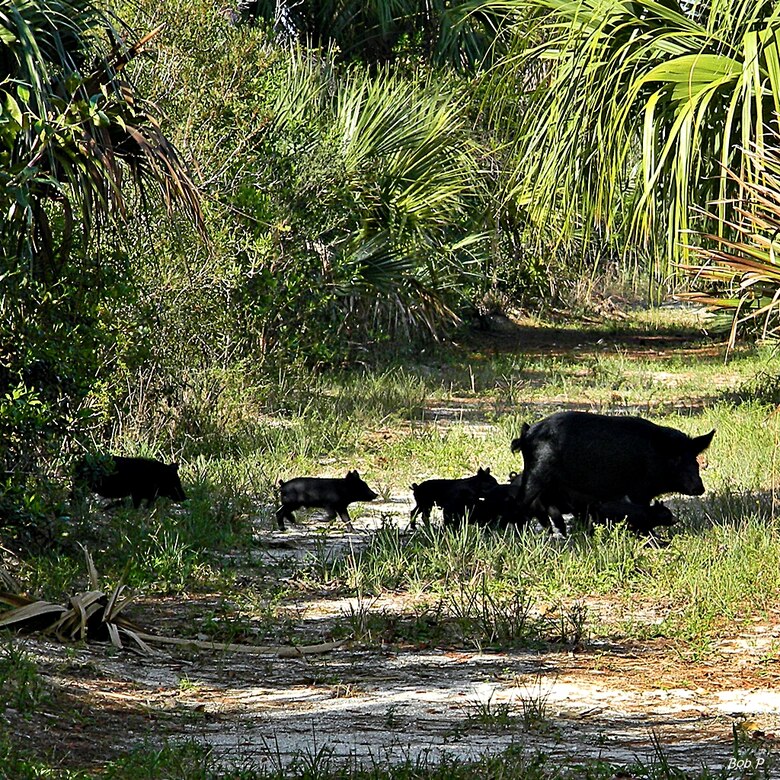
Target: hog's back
597 456
315 492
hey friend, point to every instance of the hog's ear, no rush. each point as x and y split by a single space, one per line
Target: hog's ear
487 470
700 443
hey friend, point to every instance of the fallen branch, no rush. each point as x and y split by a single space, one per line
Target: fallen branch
283 651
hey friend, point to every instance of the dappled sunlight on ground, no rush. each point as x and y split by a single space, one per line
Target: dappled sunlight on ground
604 701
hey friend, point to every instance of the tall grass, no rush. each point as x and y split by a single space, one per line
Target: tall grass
706 578
186 760
406 423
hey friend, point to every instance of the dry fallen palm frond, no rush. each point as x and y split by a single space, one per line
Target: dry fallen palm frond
32 614
85 618
283 651
95 615
94 577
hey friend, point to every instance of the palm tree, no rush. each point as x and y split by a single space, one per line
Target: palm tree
457 34
739 276
630 112
401 186
73 131
78 149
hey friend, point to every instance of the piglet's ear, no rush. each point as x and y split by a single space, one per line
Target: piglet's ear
700 443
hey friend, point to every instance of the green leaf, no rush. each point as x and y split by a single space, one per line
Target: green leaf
12 107
6 36
695 69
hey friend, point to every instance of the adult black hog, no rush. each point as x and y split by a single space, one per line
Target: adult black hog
333 495
456 497
574 459
115 476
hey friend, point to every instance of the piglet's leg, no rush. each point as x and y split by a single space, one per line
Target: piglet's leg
344 515
282 514
413 517
557 518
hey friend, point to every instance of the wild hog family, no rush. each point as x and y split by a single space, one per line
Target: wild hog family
604 469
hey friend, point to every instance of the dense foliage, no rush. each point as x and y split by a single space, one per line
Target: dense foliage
77 148
740 273
638 108
462 35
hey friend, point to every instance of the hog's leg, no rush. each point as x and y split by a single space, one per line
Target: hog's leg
285 512
344 515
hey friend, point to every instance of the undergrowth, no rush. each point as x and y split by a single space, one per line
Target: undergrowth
189 761
708 576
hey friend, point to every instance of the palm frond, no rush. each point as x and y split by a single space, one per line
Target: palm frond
743 273
639 111
75 131
94 615
461 35
409 177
